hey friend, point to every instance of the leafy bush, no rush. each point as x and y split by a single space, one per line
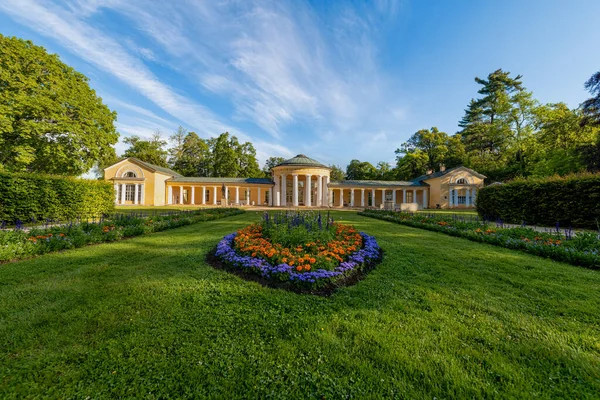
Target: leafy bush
27 197
581 248
568 201
17 244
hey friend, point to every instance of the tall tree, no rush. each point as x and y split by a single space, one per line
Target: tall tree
248 165
194 156
337 173
562 143
411 165
270 163
224 156
176 151
432 142
151 151
385 172
360 170
486 128
50 119
591 107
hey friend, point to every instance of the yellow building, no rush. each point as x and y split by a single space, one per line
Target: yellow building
297 182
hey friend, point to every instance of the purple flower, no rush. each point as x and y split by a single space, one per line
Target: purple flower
226 252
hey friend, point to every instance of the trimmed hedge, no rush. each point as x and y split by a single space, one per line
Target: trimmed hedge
569 201
25 196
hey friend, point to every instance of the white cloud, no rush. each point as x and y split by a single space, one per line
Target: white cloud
105 53
278 65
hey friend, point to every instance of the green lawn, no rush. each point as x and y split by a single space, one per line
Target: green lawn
457 211
439 317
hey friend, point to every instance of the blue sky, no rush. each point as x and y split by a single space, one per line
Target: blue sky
333 80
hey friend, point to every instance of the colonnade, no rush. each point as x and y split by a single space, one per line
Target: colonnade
321 197
203 190
354 202
138 193
454 199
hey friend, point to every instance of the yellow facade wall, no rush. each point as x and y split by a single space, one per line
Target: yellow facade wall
439 188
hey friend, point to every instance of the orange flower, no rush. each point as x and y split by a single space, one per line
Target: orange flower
307 267
299 268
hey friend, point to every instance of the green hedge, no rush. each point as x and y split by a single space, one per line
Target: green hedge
26 196
570 201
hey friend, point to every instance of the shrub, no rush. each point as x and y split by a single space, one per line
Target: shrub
17 244
580 248
27 197
569 201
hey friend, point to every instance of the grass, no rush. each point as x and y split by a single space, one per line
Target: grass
457 211
439 317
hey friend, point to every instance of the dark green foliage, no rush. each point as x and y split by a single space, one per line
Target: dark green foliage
569 201
337 173
25 196
151 151
580 248
270 163
17 244
591 107
51 121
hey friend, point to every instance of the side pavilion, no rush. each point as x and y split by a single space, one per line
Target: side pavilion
297 182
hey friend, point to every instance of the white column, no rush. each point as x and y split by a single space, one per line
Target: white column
135 194
326 192
468 198
414 199
180 194
319 199
455 200
450 197
116 193
203 195
283 191
351 197
170 195
329 197
474 196
295 190
237 195
123 186
277 192
341 197
308 191
425 198
193 195
258 198
215 195
404 195
394 197
143 194
362 197
373 197
383 196
226 195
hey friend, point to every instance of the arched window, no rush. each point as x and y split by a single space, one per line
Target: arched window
130 174
461 181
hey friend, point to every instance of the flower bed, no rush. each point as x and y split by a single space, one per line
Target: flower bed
17 244
580 248
300 249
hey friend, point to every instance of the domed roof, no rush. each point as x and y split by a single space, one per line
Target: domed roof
302 160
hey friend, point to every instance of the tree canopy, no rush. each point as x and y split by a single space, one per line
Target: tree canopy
51 121
270 163
591 107
151 151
